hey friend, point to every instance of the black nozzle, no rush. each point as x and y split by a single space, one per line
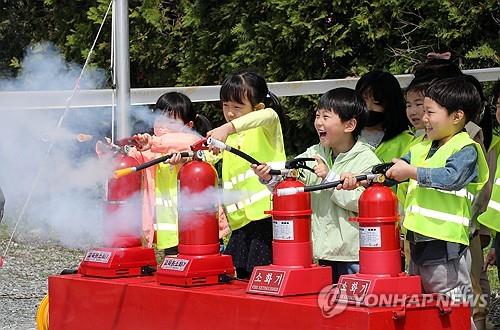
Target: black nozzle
381 168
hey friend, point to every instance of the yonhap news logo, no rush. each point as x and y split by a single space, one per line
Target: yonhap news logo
328 303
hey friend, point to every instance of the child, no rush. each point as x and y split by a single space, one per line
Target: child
340 117
387 126
444 171
415 108
175 117
414 112
491 218
254 127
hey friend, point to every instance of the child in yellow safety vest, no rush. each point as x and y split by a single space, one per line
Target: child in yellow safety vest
446 171
491 217
173 124
253 125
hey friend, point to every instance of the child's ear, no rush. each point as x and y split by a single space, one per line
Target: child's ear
458 116
190 124
350 125
259 106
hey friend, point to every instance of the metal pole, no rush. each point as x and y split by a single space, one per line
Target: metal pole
122 69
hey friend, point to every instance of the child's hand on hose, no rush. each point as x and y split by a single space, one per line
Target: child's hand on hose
220 133
262 171
176 159
349 183
144 141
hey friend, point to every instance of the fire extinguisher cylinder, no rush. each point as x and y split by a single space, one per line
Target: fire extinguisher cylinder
124 206
198 218
291 226
378 219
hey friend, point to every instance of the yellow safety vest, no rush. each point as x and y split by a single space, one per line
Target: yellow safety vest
437 213
166 206
491 217
495 144
402 188
253 198
396 147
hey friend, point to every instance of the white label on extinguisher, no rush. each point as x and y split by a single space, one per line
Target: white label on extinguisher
283 230
97 256
174 264
370 237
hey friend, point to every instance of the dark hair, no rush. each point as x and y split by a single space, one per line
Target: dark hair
385 89
436 68
417 87
249 85
178 105
456 94
347 104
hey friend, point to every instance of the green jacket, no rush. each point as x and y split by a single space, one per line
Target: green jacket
334 236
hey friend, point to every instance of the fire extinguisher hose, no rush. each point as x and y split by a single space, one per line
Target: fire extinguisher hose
125 171
221 145
326 185
42 314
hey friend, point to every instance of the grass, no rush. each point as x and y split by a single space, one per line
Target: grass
493 278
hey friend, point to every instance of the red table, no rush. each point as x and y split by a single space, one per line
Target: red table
77 302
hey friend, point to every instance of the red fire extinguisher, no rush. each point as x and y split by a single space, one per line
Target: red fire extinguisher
199 261
292 220
379 240
198 226
123 205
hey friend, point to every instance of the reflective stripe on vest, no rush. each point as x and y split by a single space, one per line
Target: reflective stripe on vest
165 226
252 199
439 215
494 205
164 202
459 193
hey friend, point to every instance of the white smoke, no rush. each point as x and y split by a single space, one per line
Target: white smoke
67 201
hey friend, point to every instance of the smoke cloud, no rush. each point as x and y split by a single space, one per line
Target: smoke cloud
67 202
